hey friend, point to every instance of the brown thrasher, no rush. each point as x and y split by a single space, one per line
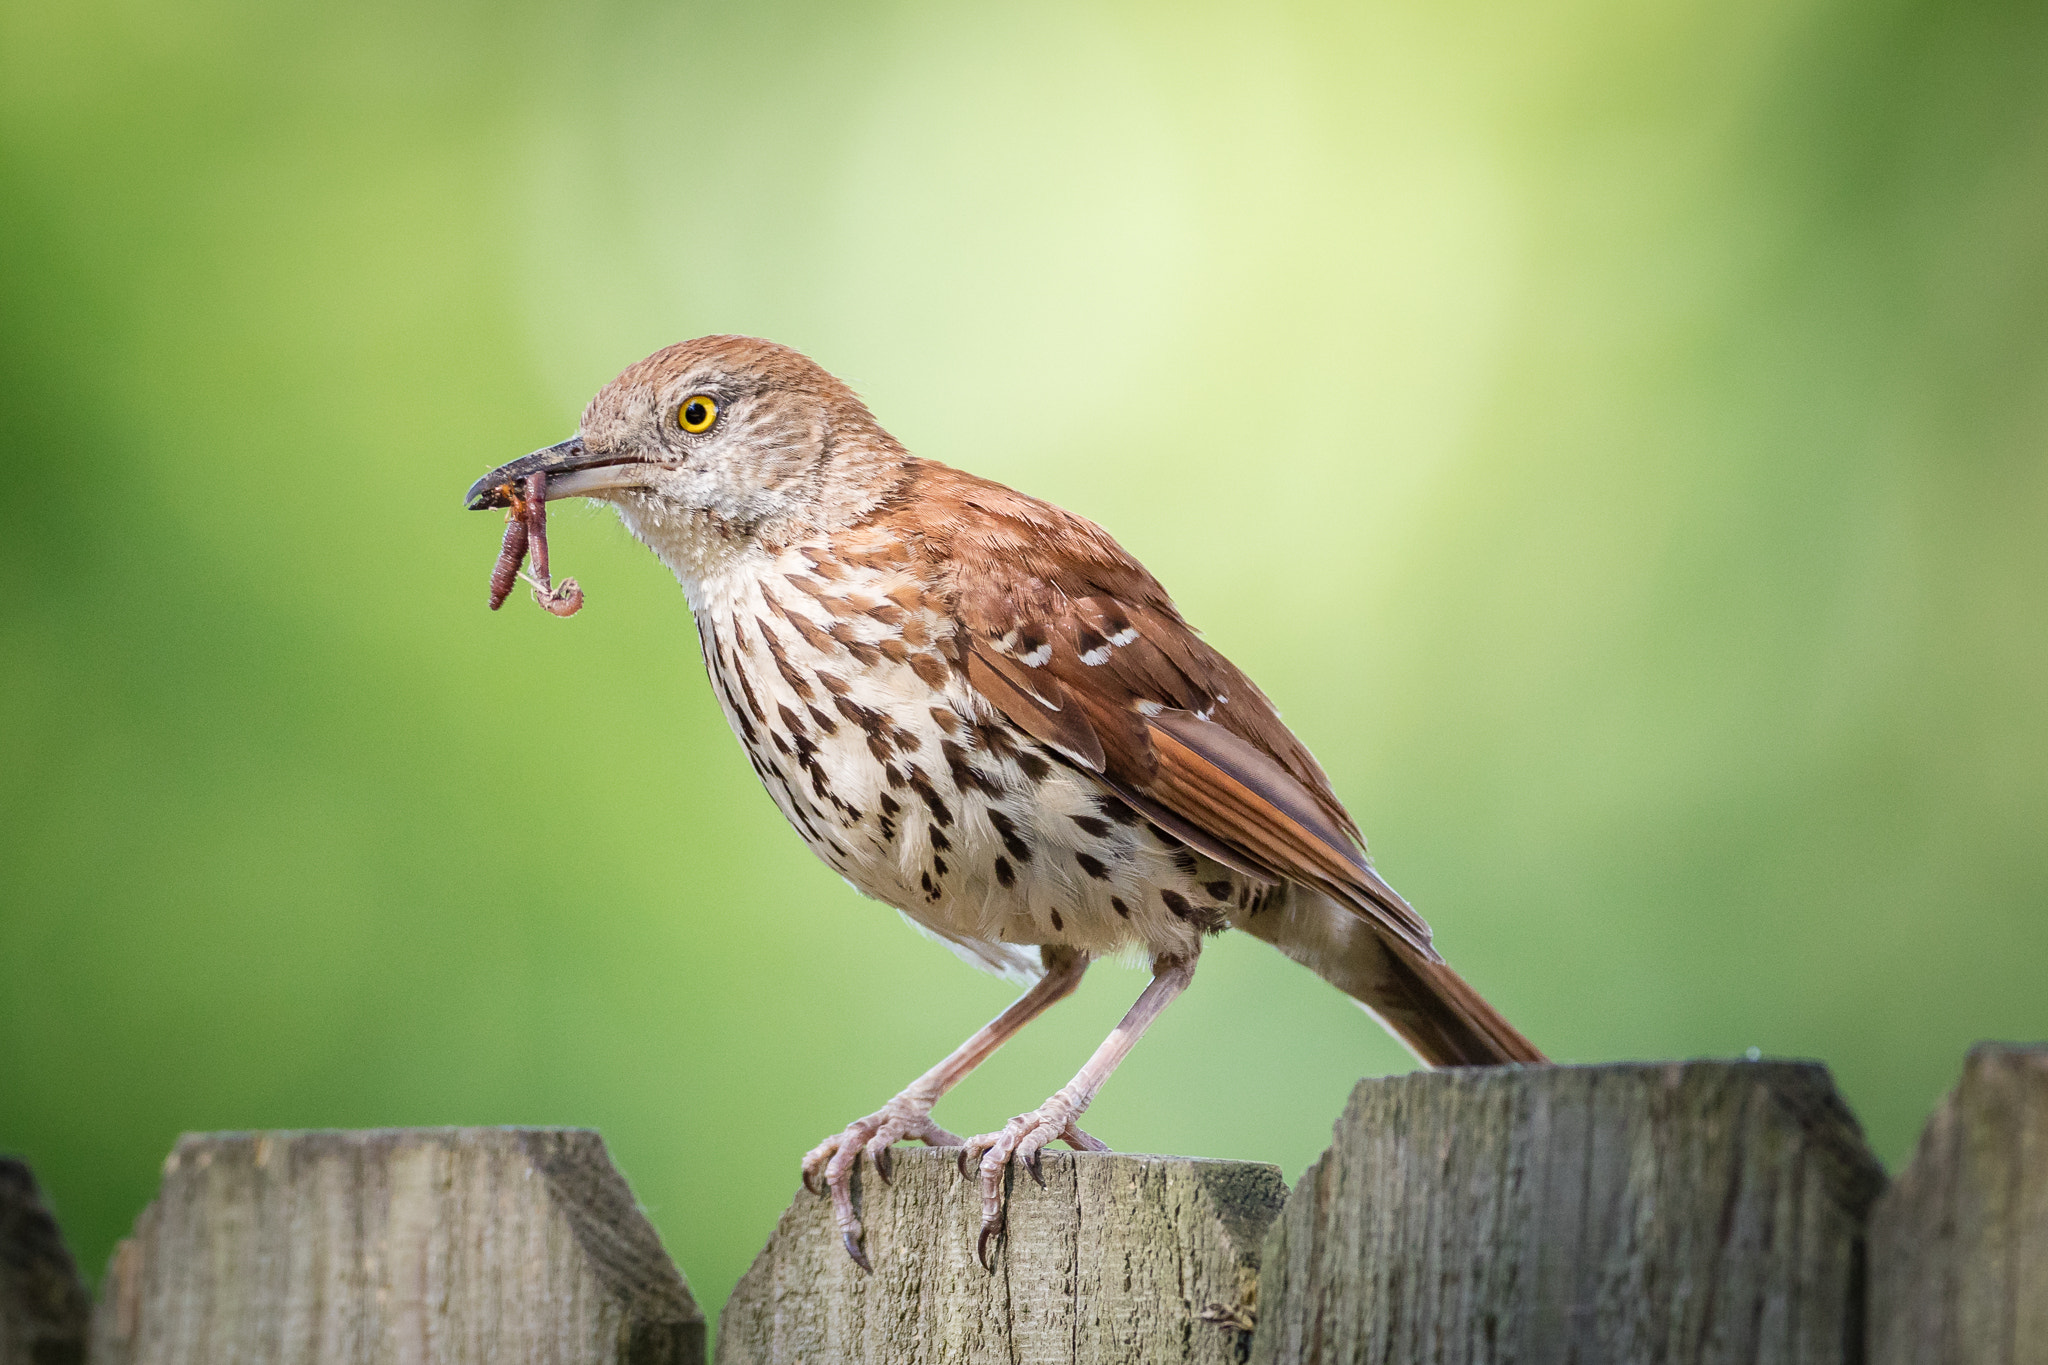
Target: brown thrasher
979 709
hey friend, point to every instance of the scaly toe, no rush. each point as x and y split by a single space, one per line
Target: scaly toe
984 1245
1022 1138
1080 1141
828 1167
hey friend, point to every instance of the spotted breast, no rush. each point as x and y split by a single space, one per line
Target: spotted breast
839 671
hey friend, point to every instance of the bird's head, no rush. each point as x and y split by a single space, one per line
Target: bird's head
734 438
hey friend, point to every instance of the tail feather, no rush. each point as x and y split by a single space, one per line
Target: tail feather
1445 1022
1426 1005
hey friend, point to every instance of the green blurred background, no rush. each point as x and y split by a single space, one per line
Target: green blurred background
1614 434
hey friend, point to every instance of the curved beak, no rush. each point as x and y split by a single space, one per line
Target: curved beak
555 461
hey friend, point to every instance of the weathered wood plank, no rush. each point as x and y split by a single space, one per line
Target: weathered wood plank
1959 1243
1118 1259
1690 1212
44 1308
403 1245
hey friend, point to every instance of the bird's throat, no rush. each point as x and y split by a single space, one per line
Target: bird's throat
711 555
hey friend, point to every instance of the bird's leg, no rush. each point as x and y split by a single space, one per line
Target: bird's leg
828 1167
1026 1135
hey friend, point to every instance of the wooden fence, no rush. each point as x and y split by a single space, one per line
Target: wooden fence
1682 1212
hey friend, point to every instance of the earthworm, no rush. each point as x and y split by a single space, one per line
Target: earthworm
526 529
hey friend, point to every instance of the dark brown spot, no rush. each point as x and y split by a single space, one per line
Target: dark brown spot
1116 903
825 722
939 839
888 613
864 654
967 777
843 607
931 669
1117 810
790 719
1092 866
776 740
946 718
1093 826
894 650
1034 765
1087 641
1184 859
922 785
1219 891
994 738
1058 925
732 703
798 683
833 683
1177 903
803 582
815 638
926 879
889 806
1007 828
938 866
1005 874
753 704
870 721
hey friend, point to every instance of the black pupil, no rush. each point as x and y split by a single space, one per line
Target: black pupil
694 414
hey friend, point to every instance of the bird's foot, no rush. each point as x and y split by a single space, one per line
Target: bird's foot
1022 1139
829 1166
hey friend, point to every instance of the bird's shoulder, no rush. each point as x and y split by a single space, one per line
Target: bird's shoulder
1066 630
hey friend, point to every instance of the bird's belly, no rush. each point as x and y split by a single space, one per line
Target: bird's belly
922 796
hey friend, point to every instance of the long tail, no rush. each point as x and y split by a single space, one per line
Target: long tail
1425 1004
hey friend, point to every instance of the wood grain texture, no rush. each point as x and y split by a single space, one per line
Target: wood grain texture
403 1245
1694 1212
1118 1259
44 1309
1959 1243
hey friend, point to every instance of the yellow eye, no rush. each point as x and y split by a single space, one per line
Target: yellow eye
697 414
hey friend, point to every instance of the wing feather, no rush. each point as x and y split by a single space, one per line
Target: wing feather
1074 642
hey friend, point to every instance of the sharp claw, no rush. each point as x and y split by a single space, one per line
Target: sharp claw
816 1189
860 1258
961 1162
982 1252
1031 1165
884 1164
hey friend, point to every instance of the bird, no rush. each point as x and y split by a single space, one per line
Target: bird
978 708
